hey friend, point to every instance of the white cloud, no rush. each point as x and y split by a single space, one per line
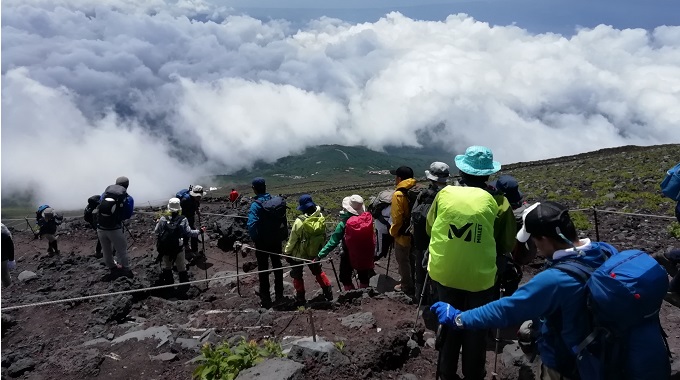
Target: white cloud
219 91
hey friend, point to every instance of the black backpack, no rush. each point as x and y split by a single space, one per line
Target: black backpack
90 210
272 223
111 206
411 196
168 242
421 240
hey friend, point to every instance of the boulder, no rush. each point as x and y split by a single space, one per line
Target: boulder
319 351
164 357
277 368
358 320
189 343
79 362
115 308
21 366
383 283
161 333
399 297
27 276
226 282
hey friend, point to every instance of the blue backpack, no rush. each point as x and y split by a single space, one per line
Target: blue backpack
183 194
624 296
670 186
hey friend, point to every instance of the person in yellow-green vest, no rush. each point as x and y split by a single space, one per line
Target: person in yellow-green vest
307 237
469 225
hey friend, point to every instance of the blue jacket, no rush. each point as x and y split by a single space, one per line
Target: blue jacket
554 297
254 214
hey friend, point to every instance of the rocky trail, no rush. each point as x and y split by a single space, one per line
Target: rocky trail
363 334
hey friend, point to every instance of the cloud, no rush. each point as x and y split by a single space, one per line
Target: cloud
164 93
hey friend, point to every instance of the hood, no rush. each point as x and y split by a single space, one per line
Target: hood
406 184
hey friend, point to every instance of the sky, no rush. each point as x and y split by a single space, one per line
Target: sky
168 91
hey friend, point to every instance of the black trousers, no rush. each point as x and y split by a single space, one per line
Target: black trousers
473 342
263 255
296 272
346 272
674 257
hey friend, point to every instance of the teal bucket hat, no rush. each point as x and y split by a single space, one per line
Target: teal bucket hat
477 160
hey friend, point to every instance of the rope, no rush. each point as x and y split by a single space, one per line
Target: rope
147 289
634 214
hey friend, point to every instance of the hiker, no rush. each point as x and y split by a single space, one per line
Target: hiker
307 237
190 200
115 206
670 187
171 231
555 299
380 208
48 221
438 176
266 228
233 197
509 267
8 262
89 215
355 233
468 226
402 202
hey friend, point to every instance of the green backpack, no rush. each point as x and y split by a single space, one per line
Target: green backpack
313 236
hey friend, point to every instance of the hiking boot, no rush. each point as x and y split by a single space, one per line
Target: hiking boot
98 255
299 299
407 291
670 267
328 293
183 277
166 277
673 298
112 275
266 303
125 272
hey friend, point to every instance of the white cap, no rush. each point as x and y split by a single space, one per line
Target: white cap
173 205
196 191
523 235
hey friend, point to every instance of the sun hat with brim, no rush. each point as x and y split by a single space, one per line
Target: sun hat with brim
354 205
174 205
305 202
196 191
543 219
439 172
477 160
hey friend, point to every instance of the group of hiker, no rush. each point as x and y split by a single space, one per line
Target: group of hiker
459 246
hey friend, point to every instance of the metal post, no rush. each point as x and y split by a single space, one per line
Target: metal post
597 226
420 302
494 374
389 256
205 256
238 277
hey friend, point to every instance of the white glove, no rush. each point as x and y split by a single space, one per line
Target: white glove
11 265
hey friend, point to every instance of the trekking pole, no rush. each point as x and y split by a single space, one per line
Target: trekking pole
389 256
205 267
337 278
35 235
134 241
494 374
420 302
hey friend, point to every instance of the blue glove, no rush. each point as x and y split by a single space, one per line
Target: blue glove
11 265
445 313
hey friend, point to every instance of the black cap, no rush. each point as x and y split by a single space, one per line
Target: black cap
545 219
403 172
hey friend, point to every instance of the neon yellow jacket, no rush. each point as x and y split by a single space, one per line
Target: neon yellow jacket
462 244
399 212
294 246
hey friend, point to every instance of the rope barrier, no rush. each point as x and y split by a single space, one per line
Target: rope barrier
74 299
636 214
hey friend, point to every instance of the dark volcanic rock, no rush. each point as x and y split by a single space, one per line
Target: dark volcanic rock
20 367
115 308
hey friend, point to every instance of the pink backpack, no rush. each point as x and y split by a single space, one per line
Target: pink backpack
360 241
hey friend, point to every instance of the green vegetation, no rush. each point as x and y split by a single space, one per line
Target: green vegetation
224 362
340 345
674 230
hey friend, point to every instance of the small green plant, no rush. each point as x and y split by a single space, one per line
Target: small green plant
674 230
340 345
581 222
224 362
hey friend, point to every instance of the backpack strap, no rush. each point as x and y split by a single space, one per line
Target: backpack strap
576 269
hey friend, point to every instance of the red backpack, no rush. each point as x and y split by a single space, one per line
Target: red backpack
360 241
